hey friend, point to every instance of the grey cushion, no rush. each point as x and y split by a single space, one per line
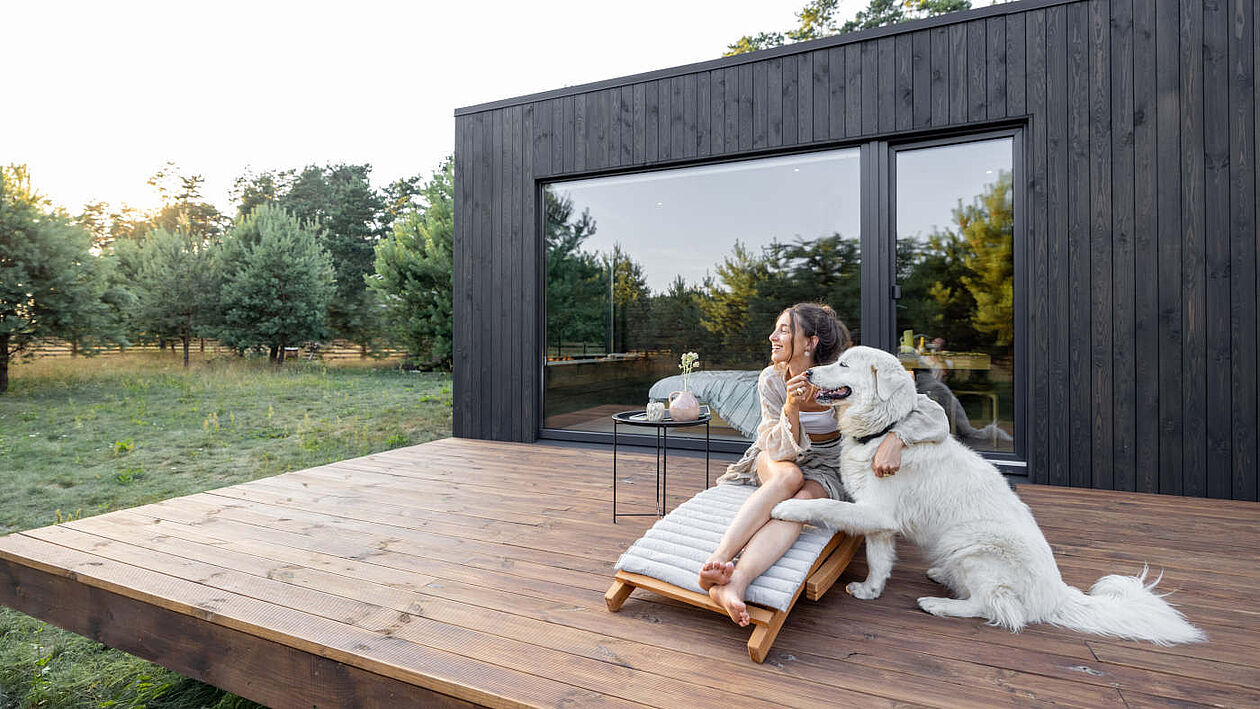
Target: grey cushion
732 393
675 548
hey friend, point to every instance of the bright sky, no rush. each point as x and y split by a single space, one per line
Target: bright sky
99 95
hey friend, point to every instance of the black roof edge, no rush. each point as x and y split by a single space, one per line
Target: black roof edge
1006 8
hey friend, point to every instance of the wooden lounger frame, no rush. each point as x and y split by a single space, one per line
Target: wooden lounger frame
766 622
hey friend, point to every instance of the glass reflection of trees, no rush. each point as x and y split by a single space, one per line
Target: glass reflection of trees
959 282
727 316
958 294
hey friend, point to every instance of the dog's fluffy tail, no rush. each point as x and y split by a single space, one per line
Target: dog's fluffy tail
1125 607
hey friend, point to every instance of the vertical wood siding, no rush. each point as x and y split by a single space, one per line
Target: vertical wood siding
1121 360
1140 240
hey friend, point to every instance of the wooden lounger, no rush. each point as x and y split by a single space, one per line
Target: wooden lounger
830 562
766 622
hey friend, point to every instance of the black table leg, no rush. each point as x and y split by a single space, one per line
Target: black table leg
706 455
614 471
657 499
665 472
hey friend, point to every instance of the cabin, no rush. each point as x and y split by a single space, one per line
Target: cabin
1048 207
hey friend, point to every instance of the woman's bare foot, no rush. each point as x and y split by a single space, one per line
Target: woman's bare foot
732 601
715 573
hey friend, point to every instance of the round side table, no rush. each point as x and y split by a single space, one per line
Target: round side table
639 418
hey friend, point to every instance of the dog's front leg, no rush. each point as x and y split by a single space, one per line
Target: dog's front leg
849 517
881 552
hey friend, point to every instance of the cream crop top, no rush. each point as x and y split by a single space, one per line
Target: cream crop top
817 421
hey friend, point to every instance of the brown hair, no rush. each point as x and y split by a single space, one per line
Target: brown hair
819 320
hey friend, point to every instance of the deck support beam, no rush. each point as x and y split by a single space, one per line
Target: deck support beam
261 670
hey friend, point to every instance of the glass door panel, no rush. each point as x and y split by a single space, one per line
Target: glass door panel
955 317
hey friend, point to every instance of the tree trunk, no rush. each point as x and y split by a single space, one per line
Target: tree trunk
280 358
187 340
271 356
362 350
74 348
203 345
162 343
4 363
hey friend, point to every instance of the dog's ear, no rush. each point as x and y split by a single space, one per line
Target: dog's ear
887 381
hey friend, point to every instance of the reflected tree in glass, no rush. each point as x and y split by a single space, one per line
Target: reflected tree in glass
988 229
959 283
958 297
827 269
730 305
577 284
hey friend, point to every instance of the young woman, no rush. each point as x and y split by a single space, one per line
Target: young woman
797 452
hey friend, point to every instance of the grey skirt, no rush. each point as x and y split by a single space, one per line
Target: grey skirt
821 463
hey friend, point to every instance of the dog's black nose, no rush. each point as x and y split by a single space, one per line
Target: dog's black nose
809 375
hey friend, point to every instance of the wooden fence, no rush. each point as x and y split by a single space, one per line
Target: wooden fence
328 351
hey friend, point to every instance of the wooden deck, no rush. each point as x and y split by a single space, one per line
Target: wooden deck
461 572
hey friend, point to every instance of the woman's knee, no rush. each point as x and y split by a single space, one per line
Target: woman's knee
811 490
782 473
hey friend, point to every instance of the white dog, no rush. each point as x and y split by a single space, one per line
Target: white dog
981 540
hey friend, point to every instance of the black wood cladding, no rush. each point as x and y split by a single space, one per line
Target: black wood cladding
1140 226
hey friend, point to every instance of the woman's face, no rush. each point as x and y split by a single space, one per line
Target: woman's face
783 345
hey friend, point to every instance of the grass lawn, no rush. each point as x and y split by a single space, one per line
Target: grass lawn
85 436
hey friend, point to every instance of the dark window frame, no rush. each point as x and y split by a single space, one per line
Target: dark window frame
886 275
878 175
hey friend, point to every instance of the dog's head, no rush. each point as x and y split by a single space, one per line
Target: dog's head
869 387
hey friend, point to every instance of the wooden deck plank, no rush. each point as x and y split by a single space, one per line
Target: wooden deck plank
264 671
1215 672
498 554
387 612
389 656
259 521
884 641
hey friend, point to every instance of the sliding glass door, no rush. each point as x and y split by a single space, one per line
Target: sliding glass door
954 207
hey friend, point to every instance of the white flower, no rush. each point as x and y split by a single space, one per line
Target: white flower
689 362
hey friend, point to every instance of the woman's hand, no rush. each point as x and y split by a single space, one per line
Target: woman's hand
888 456
800 391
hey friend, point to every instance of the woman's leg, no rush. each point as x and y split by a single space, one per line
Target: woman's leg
780 480
766 546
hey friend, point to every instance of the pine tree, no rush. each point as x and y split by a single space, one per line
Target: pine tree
276 283
349 216
175 291
50 283
413 273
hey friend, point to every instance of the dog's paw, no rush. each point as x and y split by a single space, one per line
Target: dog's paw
864 591
935 606
792 511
